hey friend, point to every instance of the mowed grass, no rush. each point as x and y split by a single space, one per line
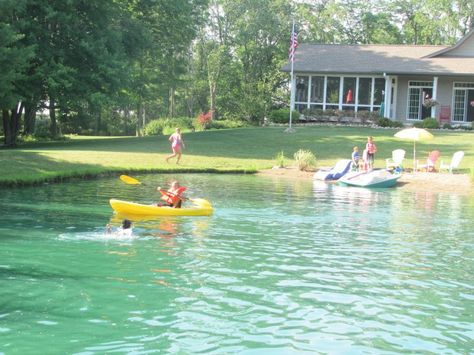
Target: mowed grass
235 150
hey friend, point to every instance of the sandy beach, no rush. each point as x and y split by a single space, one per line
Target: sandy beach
420 181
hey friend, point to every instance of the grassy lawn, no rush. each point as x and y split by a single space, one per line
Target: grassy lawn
244 150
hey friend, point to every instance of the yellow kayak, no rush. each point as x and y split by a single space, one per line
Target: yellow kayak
201 207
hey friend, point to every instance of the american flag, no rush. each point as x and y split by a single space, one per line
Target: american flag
293 45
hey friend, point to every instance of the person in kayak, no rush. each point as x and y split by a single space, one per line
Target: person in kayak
173 196
177 145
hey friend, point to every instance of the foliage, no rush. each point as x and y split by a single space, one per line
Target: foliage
386 122
280 159
282 115
428 122
447 126
168 125
154 128
305 159
428 103
225 124
204 120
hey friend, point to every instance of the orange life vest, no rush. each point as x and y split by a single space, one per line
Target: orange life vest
172 198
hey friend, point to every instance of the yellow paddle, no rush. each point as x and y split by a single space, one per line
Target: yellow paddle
132 181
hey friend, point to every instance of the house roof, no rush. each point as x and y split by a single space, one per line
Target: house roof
446 51
377 60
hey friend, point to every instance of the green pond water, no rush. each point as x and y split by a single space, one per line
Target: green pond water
282 267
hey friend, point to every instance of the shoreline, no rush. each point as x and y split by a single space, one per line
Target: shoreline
418 182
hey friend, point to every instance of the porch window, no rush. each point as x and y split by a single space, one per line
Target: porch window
379 87
349 93
317 89
302 89
339 92
365 92
332 90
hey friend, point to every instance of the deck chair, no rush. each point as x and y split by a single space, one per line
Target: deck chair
430 161
398 155
454 164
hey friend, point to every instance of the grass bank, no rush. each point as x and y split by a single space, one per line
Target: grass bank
233 150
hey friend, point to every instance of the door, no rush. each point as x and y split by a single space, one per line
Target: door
470 106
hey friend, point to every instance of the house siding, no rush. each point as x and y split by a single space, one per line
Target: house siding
466 49
444 94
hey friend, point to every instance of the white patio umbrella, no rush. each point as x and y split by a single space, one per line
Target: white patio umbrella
414 134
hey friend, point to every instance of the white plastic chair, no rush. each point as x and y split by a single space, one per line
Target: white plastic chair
396 160
455 161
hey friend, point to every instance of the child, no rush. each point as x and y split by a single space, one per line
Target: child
355 159
177 145
173 197
125 231
371 150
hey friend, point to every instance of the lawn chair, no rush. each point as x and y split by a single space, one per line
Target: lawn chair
396 160
430 161
455 161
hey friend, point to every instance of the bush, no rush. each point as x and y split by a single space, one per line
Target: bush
168 125
154 128
386 122
42 128
280 159
223 124
430 123
447 126
283 115
427 123
305 159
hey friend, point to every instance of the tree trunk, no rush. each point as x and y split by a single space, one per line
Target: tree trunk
139 118
30 118
52 116
11 125
98 122
171 101
212 97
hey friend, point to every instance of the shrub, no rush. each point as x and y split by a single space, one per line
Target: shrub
168 125
305 159
283 115
418 124
447 126
223 124
430 123
154 128
280 159
204 119
42 128
386 122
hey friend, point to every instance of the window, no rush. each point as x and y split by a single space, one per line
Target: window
459 105
317 89
365 85
332 90
302 89
379 88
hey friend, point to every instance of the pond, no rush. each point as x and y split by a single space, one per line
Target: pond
281 267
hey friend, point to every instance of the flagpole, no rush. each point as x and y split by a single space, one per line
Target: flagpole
292 93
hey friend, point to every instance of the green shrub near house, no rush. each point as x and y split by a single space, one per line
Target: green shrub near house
282 115
429 123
